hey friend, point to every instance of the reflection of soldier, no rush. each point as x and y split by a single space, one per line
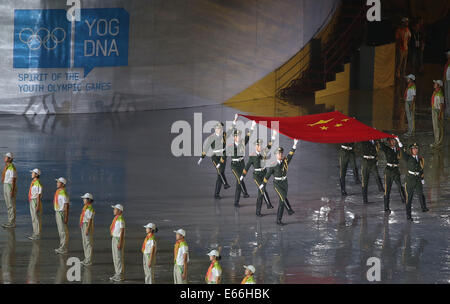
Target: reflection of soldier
32 272
410 259
8 257
346 156
437 170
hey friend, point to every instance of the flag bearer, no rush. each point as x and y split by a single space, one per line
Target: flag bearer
415 177
346 156
279 171
181 258
214 273
35 200
249 272
369 165
117 230
149 252
410 103
437 111
87 228
61 205
9 180
391 172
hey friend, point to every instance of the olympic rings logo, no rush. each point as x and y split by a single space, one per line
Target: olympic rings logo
42 38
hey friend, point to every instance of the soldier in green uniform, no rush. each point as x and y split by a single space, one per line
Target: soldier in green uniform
369 165
236 151
257 160
347 155
217 143
415 177
279 171
391 172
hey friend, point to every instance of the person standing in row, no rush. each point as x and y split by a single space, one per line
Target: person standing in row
437 110
402 37
447 82
61 206
391 172
149 252
369 165
117 230
35 200
258 160
87 228
279 170
249 272
9 180
180 258
415 177
410 104
346 156
214 273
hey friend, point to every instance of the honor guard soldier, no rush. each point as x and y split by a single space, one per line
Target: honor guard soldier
9 180
181 258
249 272
217 143
117 230
87 228
214 273
149 252
35 199
61 206
391 172
257 160
236 151
369 165
415 177
280 183
346 156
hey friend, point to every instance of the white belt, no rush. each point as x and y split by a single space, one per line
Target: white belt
281 178
392 165
237 159
369 157
414 173
218 151
347 148
260 169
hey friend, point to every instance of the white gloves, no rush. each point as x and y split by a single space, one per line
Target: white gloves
235 119
423 182
261 186
274 134
295 144
253 125
399 143
199 161
218 166
242 177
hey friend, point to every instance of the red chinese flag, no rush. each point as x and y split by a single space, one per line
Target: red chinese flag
332 128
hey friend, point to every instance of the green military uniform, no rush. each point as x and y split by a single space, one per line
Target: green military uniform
347 155
279 171
414 178
217 144
236 151
369 165
259 171
391 173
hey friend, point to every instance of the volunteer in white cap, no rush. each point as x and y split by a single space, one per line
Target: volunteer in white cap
437 111
249 271
402 37
117 230
87 228
35 200
447 83
181 258
9 180
61 206
410 104
214 273
149 252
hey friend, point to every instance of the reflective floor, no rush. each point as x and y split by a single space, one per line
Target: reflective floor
126 158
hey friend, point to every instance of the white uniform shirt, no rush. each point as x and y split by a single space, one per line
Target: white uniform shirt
88 214
118 225
149 246
215 273
410 94
36 190
438 100
180 257
62 200
9 175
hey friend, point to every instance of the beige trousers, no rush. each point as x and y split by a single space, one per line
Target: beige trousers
63 231
35 217
88 243
438 127
177 272
117 257
10 203
148 271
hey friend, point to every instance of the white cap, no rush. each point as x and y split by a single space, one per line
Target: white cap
439 82
89 196
10 155
37 171
117 206
213 253
150 225
181 231
251 268
61 180
411 76
405 19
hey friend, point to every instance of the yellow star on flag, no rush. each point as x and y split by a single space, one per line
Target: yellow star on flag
345 120
324 128
338 125
321 122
